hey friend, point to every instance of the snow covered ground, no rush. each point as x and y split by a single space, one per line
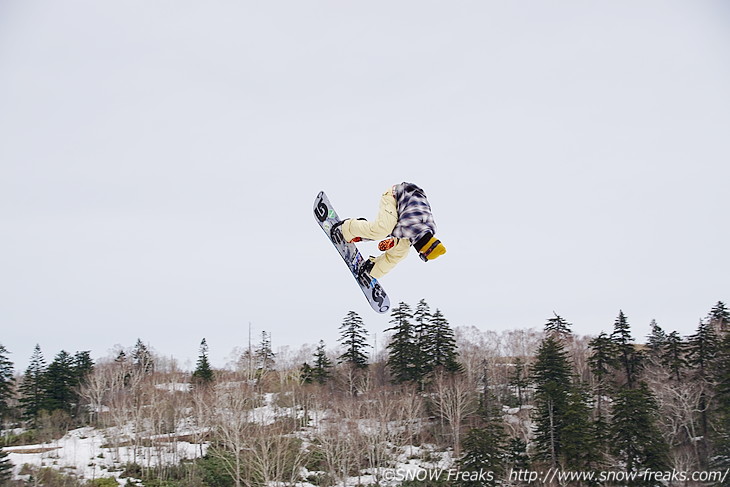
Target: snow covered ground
90 453
87 454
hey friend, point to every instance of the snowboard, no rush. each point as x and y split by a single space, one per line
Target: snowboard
326 217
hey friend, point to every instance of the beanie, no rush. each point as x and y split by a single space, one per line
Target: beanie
429 247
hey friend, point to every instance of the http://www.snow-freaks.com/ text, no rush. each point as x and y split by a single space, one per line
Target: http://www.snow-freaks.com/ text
556 475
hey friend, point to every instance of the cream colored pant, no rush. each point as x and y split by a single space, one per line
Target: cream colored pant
380 228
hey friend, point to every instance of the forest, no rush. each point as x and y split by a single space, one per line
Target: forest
432 405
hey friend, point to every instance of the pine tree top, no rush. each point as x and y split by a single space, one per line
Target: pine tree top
422 313
142 357
702 346
401 316
353 337
622 330
321 370
36 359
656 339
720 316
557 325
203 373
603 356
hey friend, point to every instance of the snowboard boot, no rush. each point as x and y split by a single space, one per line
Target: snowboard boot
337 225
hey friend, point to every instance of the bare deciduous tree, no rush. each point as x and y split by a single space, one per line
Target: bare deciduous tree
276 456
231 428
253 448
454 399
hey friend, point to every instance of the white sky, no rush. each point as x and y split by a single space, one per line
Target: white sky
159 161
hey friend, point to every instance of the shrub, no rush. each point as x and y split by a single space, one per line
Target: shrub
103 482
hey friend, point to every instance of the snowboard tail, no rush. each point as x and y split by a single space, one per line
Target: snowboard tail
326 216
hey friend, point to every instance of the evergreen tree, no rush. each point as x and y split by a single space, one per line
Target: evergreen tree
353 337
31 387
518 380
635 438
672 355
422 313
516 454
558 326
403 352
485 446
563 433
656 339
306 373
551 374
6 468
83 366
719 318
484 451
264 354
322 369
442 354
6 383
142 358
581 448
59 384
423 349
629 359
721 376
702 349
602 362
203 374
122 362
418 350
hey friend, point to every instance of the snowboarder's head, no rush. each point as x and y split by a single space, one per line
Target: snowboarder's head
429 247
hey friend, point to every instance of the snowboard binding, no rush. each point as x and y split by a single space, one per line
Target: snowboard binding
336 232
366 266
363 273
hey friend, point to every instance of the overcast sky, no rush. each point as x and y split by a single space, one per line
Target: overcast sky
159 162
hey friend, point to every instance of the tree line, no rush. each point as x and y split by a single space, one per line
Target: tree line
498 402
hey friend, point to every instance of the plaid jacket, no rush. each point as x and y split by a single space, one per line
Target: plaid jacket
414 213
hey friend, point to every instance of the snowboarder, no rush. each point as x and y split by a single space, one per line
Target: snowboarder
404 219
